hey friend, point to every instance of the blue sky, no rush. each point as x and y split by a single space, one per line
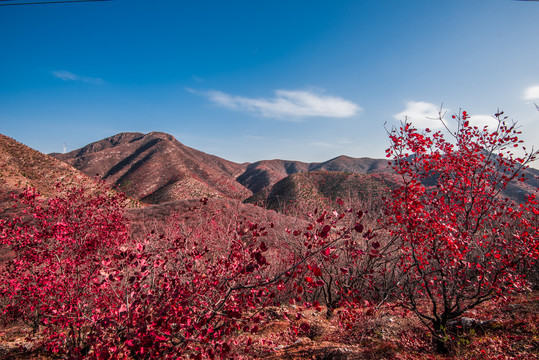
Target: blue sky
251 80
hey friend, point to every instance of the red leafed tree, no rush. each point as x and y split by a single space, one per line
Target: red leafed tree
462 242
55 280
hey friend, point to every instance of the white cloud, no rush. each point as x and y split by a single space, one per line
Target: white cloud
531 93
484 120
421 114
426 115
69 76
288 104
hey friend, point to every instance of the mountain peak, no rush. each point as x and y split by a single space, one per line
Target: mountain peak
341 158
160 135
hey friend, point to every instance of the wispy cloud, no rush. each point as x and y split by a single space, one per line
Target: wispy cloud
421 114
531 93
65 75
426 115
287 104
69 76
198 79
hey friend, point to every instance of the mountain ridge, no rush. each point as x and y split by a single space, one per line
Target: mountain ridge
156 167
123 159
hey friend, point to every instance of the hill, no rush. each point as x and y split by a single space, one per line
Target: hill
156 168
262 175
204 215
298 331
317 189
22 167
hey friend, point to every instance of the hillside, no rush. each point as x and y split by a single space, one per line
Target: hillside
204 214
321 189
193 242
22 167
262 175
518 190
156 168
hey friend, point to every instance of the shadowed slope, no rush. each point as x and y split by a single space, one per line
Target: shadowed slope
321 188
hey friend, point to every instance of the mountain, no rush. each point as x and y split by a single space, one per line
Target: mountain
22 167
262 175
156 168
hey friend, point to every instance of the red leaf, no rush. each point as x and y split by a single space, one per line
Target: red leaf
304 327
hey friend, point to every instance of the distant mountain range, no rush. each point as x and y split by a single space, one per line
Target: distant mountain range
262 175
155 168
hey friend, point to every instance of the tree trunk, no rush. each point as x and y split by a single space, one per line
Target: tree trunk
440 338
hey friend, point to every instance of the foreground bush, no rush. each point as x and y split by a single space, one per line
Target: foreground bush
92 292
57 279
